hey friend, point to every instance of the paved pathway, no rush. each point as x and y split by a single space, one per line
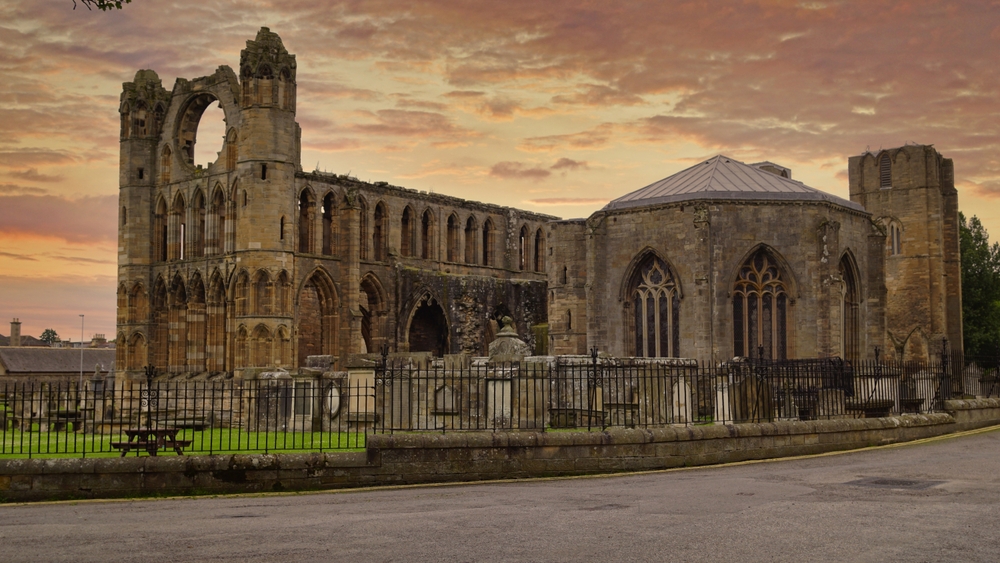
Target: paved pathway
931 501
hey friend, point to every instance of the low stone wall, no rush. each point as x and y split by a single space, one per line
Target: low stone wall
473 456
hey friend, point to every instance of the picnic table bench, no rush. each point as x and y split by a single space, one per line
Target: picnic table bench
152 440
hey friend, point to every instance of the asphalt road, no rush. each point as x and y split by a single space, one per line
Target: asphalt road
932 501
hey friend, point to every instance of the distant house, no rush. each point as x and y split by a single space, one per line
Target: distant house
44 364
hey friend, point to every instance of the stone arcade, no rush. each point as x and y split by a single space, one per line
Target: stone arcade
252 264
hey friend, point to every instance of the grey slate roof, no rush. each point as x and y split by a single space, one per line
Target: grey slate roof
29 360
724 178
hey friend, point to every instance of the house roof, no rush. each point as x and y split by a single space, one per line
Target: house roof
26 340
29 360
724 178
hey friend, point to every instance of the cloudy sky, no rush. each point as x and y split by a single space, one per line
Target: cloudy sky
553 106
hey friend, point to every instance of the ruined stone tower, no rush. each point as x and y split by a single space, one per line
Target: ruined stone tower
249 263
910 192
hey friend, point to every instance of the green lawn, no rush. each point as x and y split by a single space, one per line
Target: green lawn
15 444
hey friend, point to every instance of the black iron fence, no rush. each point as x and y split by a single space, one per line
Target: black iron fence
580 392
335 412
264 415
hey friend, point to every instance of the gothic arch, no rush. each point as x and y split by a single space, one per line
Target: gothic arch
373 303
427 327
126 125
188 119
122 308
538 260
241 358
791 283
633 267
241 293
380 231
362 227
489 243
318 307
761 303
198 224
137 355
307 206
522 249
408 232
216 225
261 344
159 249
138 304
651 297
215 323
329 223
282 347
428 232
282 293
453 233
177 325
471 233
850 307
176 227
196 325
261 289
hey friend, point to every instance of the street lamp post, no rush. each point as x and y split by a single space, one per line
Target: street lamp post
80 387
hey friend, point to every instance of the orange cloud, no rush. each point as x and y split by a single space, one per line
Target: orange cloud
519 171
76 220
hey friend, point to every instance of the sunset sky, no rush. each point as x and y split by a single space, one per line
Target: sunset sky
552 106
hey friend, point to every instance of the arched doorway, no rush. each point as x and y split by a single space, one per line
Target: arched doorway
428 330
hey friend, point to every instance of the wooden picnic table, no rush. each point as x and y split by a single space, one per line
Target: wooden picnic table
152 440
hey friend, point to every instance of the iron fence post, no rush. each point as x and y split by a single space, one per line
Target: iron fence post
150 398
593 380
945 373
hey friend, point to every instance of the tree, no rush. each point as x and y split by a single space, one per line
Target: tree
103 5
980 289
49 336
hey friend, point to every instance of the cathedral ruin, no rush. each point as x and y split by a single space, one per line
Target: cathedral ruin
252 263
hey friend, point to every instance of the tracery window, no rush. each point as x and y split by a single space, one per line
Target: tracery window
654 300
760 306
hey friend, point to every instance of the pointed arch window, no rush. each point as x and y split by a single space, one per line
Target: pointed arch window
329 225
452 238
363 229
426 235
198 221
406 235
305 221
489 242
760 308
522 249
471 229
850 304
378 233
654 301
539 260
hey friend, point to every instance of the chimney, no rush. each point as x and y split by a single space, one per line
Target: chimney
15 332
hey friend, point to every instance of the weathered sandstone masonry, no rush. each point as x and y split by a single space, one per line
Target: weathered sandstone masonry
475 456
